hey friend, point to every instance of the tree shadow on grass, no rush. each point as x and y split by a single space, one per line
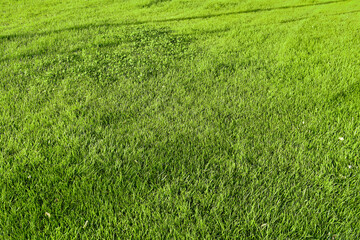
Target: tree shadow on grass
327 15
102 45
89 26
30 55
114 44
248 11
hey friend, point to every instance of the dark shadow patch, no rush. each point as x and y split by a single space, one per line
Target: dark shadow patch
294 20
132 38
343 13
139 55
245 11
223 68
148 53
154 3
326 15
88 26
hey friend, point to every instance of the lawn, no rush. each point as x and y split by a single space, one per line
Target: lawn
180 119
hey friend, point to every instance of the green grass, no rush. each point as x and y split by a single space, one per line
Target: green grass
182 119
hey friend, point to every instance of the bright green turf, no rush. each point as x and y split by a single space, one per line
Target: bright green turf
182 119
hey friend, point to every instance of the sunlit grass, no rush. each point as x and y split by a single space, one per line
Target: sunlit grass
179 119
